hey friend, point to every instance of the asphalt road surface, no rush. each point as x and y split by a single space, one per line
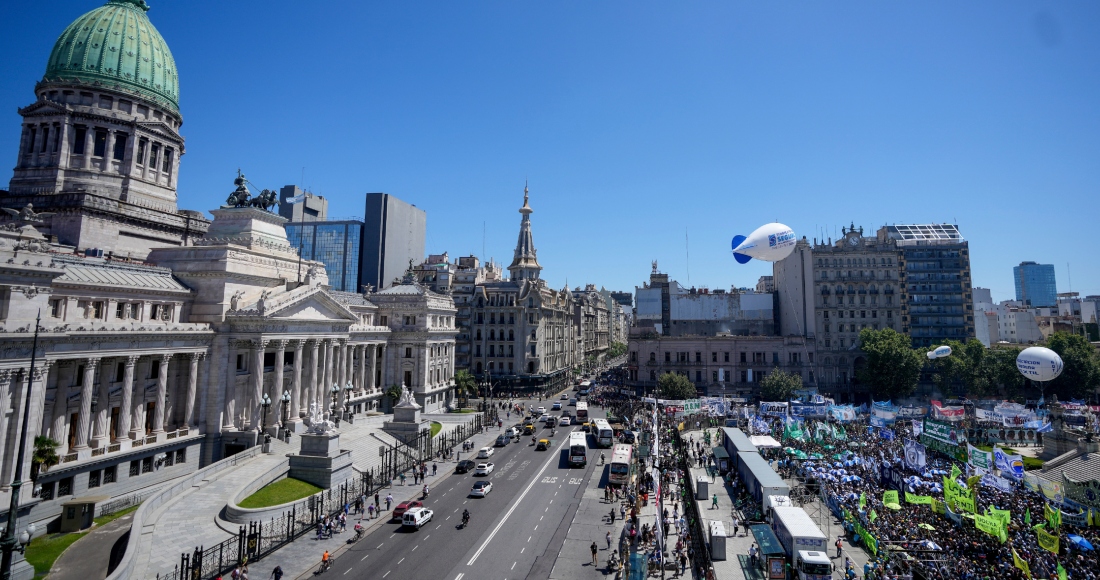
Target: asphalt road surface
512 531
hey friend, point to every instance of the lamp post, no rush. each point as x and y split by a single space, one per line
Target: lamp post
348 388
286 411
8 541
335 390
265 403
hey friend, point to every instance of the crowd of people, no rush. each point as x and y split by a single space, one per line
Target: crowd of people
914 536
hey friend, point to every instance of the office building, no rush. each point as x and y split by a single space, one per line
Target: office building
393 239
297 205
1035 284
667 308
934 266
336 244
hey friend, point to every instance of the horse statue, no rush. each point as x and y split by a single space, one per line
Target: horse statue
266 200
240 196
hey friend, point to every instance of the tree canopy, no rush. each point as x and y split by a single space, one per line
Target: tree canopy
892 366
675 386
1081 373
779 385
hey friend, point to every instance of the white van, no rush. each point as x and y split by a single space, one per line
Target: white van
416 517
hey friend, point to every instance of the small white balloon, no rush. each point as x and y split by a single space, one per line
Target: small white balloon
939 352
1039 363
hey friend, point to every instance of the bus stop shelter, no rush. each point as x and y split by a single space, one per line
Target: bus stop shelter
773 559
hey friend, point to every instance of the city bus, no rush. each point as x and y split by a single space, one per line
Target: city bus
578 448
602 432
582 411
622 460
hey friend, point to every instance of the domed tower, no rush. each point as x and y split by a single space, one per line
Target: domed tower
101 147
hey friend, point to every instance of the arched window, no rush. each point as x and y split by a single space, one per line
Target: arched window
492 334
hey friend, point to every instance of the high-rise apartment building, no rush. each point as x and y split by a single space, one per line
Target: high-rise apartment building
934 265
393 239
336 244
1035 284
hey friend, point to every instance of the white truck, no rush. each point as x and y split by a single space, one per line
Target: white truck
804 543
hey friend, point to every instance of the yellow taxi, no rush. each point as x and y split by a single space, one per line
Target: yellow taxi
542 445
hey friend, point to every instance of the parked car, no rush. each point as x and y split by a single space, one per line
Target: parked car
406 506
464 466
484 468
481 488
416 517
485 453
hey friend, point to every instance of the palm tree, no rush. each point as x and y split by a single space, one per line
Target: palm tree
45 455
393 392
465 384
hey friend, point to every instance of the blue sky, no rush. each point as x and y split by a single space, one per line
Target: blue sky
647 130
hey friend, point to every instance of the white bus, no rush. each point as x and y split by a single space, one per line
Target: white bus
602 432
622 459
578 448
582 410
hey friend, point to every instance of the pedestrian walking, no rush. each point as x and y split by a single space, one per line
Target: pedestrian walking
608 537
402 476
714 502
622 511
839 547
370 512
612 515
434 469
277 573
377 504
735 526
595 550
389 500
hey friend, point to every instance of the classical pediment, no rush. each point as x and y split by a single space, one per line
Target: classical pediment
306 303
42 108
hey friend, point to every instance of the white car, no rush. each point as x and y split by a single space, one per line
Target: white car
416 517
481 488
485 453
541 410
484 468
543 418
556 406
564 397
563 422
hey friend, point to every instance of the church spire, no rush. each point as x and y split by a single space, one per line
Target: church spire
525 265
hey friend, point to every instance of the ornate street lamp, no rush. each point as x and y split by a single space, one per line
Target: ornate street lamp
265 403
333 415
348 388
8 541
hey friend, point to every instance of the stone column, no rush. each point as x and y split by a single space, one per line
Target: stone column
257 377
36 391
5 405
192 390
363 368
340 371
296 392
314 349
83 421
59 414
280 355
162 391
326 383
228 421
373 367
349 363
103 407
125 410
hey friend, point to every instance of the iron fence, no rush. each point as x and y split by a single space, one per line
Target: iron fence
258 539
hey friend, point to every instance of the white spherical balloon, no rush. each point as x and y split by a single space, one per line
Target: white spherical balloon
1039 363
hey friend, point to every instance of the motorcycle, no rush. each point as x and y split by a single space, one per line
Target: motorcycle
465 520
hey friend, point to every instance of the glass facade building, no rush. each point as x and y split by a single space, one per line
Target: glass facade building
934 264
1035 284
336 244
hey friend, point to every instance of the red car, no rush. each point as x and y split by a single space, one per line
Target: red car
404 507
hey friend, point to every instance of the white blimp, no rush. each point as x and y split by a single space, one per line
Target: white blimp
770 243
1039 363
939 352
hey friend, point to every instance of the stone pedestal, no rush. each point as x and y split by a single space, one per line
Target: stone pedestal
321 461
406 424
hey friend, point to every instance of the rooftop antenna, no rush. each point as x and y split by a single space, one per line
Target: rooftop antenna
483 239
1070 275
687 253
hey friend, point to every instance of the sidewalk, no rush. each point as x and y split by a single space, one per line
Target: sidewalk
737 548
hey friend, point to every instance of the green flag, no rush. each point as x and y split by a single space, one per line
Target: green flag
1061 572
1027 516
890 496
871 517
862 500
1047 541
1021 563
955 471
1053 515
918 499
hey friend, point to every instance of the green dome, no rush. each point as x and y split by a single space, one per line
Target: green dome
115 46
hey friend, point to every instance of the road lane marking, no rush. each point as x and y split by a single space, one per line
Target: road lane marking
392 535
446 518
512 568
515 504
363 558
459 577
399 561
348 570
456 510
522 550
540 518
437 527
427 536
414 548
387 573
379 546
529 538
536 529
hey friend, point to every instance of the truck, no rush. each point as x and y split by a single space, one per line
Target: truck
803 541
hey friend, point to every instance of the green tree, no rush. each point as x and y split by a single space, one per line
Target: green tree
892 367
779 386
465 385
1000 365
44 456
1081 373
675 386
393 392
949 370
617 349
